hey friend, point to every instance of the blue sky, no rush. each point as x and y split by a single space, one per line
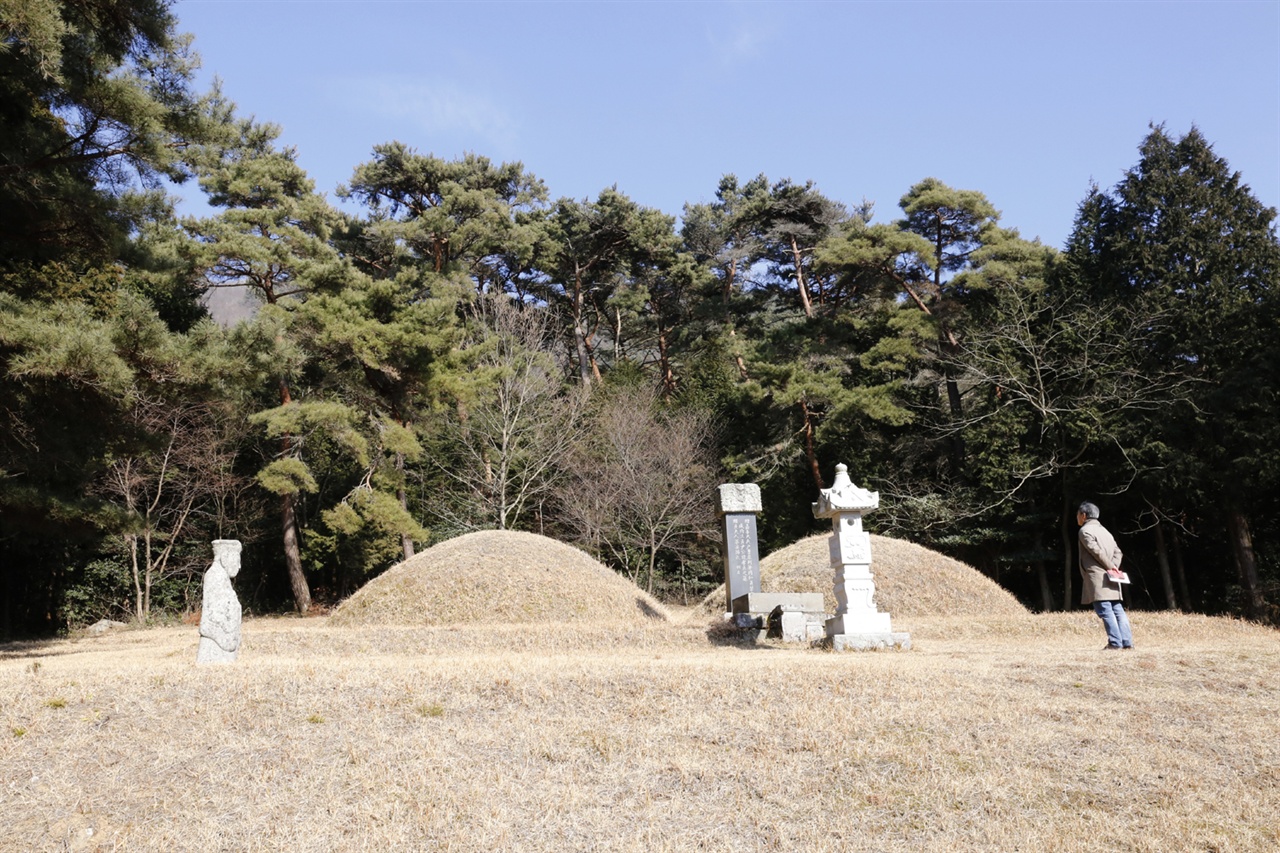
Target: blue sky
1027 102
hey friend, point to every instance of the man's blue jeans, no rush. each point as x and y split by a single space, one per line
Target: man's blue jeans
1113 616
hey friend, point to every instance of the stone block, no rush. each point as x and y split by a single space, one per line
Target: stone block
740 497
765 602
793 624
859 622
870 641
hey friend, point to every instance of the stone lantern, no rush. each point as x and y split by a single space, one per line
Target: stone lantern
857 623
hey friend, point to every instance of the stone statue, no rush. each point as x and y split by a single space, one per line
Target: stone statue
220 610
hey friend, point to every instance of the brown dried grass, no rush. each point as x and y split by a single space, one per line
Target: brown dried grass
911 580
992 734
499 576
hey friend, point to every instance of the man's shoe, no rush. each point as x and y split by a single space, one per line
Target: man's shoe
1111 648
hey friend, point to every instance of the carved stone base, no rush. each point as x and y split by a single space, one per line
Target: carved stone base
870 642
859 622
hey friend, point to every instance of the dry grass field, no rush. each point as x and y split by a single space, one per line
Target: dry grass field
996 733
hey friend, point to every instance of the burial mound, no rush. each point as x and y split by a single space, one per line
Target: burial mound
911 580
501 576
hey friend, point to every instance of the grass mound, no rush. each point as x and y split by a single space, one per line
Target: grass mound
501 576
911 580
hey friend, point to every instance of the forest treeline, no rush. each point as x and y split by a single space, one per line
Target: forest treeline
458 349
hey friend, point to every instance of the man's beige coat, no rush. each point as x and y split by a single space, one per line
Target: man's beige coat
1098 552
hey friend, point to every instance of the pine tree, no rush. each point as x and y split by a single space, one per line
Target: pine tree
273 238
1183 236
96 101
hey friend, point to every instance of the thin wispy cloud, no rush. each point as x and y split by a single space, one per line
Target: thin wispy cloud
432 106
745 39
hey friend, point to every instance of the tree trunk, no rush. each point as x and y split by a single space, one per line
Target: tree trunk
406 541
737 356
812 456
6 606
293 555
1046 591
1166 576
664 361
583 349
653 560
1042 575
1180 572
1068 547
1242 547
801 286
957 439
132 539
729 280
147 576
289 527
406 545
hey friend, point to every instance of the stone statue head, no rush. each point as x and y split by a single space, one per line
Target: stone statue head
227 553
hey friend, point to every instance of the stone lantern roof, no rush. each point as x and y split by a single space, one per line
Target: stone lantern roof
844 496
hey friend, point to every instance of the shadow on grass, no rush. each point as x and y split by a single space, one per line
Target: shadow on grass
650 611
26 649
727 635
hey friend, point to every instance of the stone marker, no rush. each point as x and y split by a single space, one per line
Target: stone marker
739 504
220 609
857 623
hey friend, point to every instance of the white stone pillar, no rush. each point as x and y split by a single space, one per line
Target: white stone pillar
857 623
855 586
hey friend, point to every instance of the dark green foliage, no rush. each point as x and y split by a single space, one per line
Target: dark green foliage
101 591
1182 235
95 100
464 215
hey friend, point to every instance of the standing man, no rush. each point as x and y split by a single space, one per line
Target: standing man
1099 555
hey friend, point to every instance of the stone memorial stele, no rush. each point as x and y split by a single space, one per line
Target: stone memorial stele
220 609
739 504
857 623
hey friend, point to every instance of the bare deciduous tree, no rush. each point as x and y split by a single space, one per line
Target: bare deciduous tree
511 438
181 487
641 482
